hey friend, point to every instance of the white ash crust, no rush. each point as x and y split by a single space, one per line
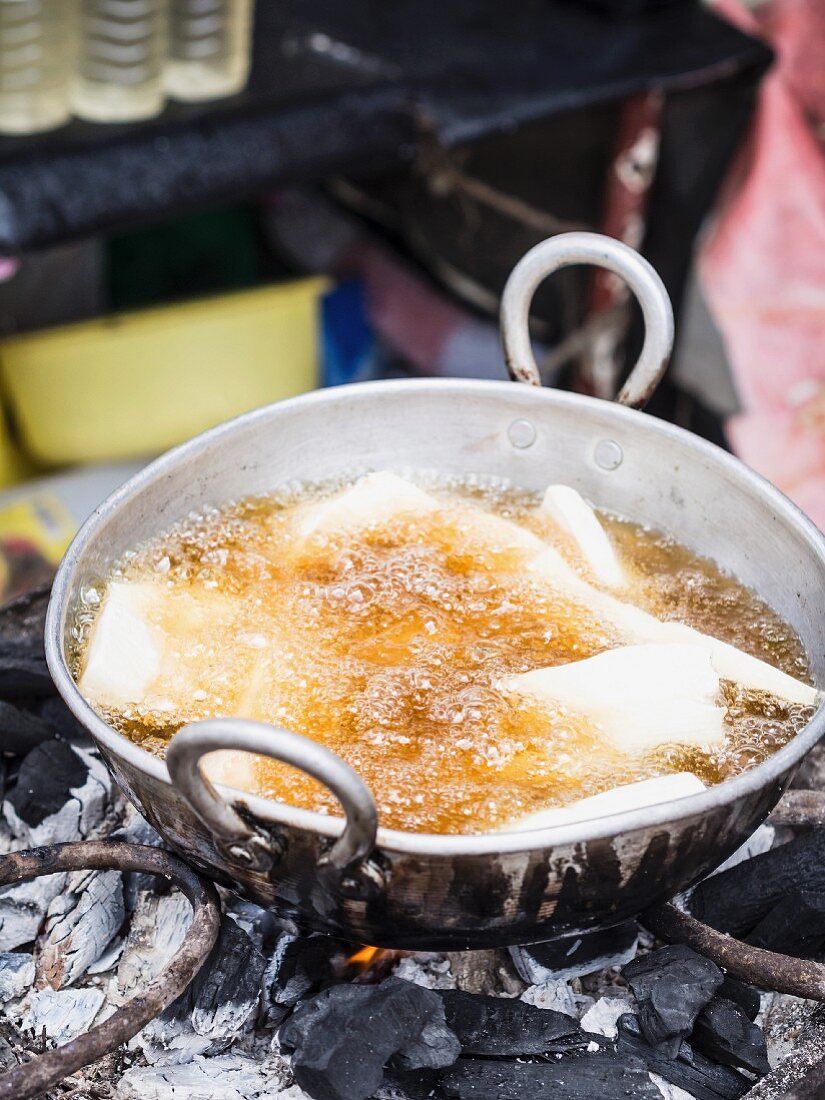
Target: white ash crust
558 996
668 1091
109 958
23 909
62 1013
428 970
76 818
80 924
601 1018
7 843
260 925
16 974
230 1076
157 929
783 1018
218 1009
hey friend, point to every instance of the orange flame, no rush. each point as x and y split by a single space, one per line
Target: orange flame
372 964
364 957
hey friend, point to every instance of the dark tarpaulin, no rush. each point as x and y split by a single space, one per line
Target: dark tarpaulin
478 66
353 88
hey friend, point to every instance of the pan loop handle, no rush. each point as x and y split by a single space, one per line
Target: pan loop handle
246 847
565 250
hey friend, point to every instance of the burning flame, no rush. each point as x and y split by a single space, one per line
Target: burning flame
372 964
364 957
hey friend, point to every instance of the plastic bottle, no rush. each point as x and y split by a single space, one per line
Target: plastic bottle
119 75
36 54
209 48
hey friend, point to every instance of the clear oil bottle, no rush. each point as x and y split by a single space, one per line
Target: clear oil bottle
119 72
37 39
209 48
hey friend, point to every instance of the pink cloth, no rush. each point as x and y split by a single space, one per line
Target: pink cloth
763 265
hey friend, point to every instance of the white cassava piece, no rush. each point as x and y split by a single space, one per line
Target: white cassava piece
374 498
230 768
125 650
630 796
638 696
568 509
144 644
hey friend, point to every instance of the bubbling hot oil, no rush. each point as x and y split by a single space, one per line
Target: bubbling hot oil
386 645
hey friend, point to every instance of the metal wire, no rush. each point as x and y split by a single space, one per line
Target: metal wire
767 969
45 1071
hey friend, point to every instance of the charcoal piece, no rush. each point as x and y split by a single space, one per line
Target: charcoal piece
794 926
16 974
342 1038
689 1070
435 1047
9 1061
672 986
24 673
725 1034
47 776
606 1076
137 830
490 972
20 730
219 1006
224 995
415 1084
499 1025
81 922
57 715
23 670
55 804
62 1014
299 966
571 956
157 929
23 619
746 996
260 924
735 901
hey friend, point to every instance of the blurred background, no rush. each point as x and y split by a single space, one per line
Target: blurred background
208 205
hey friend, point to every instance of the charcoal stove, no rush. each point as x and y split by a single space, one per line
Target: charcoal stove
205 996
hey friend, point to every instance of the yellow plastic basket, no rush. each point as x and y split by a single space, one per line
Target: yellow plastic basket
135 384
